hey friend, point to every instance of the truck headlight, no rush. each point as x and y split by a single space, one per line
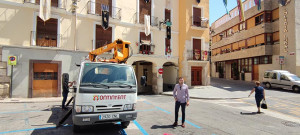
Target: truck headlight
78 108
87 108
128 107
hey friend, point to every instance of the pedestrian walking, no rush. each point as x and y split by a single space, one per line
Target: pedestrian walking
259 95
181 96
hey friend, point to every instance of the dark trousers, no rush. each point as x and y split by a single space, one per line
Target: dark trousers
65 96
258 99
177 105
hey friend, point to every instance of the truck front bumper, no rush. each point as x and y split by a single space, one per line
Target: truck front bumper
91 119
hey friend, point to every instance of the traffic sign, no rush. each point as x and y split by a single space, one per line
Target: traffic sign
160 71
12 60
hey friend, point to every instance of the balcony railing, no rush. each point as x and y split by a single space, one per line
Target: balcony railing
61 4
146 48
153 19
95 8
199 22
44 39
191 55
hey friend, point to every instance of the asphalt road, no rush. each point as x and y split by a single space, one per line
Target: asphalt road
156 116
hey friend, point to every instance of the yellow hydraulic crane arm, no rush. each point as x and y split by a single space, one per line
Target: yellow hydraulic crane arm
121 51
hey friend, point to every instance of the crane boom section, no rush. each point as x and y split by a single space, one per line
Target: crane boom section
121 51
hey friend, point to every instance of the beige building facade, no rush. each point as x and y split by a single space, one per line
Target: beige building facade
194 42
266 40
46 50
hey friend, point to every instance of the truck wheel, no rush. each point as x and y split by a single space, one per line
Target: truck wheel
268 85
296 89
125 124
76 128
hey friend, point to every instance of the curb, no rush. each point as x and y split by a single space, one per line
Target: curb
208 98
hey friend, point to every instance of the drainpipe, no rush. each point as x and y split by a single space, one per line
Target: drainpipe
74 7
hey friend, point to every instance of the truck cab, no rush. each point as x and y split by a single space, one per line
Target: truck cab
106 93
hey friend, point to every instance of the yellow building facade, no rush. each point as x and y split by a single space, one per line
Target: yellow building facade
194 42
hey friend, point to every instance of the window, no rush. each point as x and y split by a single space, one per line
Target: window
167 15
46 32
265 60
168 46
259 19
269 39
145 44
266 74
255 61
197 49
242 26
45 76
145 9
283 77
103 37
197 16
274 76
275 14
54 3
268 16
246 64
99 4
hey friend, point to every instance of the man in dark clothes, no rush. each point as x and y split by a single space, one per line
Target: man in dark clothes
66 85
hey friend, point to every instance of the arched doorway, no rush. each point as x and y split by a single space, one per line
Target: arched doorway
144 68
170 75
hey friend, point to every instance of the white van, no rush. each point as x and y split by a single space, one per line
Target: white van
281 79
106 93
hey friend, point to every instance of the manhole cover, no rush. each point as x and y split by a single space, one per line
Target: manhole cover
290 124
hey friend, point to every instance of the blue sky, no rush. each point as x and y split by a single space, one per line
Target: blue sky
217 9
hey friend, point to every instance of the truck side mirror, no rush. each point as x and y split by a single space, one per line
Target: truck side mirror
143 80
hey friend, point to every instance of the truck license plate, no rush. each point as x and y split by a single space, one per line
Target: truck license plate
108 116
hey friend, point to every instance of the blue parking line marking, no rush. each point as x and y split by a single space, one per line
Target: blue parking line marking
22 130
19 112
140 127
190 123
162 110
147 102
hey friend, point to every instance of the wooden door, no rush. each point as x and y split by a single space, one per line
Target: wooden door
196 75
45 82
255 73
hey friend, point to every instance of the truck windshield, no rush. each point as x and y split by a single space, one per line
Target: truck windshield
108 75
294 77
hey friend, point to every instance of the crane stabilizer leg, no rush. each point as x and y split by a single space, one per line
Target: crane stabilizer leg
64 118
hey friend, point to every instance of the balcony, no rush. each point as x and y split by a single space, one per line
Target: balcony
245 53
153 19
94 8
146 47
44 39
191 55
60 4
199 23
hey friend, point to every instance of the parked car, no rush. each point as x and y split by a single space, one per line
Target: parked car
281 79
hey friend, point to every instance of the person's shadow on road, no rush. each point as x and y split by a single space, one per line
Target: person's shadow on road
162 126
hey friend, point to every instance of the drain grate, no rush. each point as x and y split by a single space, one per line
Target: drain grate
290 124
